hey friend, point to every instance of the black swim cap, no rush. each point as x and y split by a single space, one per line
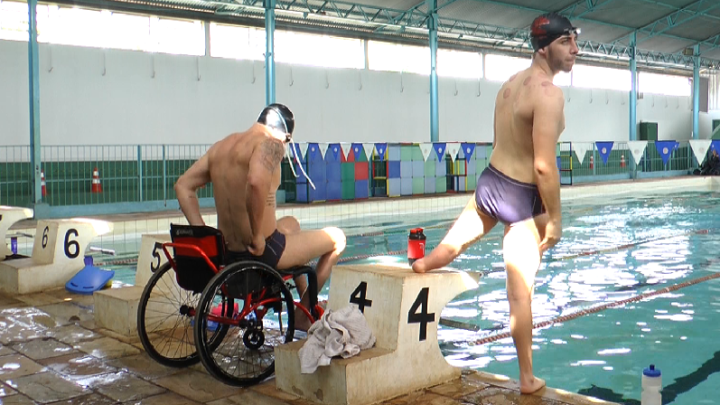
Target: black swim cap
279 117
549 27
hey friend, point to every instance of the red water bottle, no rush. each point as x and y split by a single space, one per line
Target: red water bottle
416 245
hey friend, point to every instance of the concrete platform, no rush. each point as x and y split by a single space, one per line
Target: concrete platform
66 357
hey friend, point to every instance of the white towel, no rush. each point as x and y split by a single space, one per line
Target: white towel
344 332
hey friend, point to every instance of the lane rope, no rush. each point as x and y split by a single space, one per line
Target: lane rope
602 307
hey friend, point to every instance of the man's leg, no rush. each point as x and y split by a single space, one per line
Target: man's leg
287 225
522 261
471 225
301 247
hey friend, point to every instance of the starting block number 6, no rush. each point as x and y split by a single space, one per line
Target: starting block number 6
59 241
418 312
71 247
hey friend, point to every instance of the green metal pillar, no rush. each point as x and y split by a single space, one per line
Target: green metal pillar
269 52
633 99
633 88
696 92
34 86
434 111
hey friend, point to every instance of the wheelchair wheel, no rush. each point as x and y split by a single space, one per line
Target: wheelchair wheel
165 320
263 318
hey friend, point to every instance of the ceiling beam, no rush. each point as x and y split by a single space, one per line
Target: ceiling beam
680 16
714 40
599 2
589 7
672 7
359 21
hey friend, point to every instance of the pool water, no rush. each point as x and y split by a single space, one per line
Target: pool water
602 354
664 239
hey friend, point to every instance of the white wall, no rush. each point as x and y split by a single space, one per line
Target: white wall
706 120
91 96
673 115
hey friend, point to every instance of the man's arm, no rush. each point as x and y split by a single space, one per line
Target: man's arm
547 125
264 161
186 187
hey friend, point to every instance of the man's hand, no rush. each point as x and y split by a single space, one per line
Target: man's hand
553 233
257 248
198 175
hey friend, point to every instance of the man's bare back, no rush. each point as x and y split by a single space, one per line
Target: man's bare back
244 169
229 165
515 110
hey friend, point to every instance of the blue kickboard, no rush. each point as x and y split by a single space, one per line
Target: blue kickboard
89 279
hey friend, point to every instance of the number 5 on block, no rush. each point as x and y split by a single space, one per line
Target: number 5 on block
151 256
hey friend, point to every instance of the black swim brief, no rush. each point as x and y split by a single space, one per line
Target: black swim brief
274 248
506 199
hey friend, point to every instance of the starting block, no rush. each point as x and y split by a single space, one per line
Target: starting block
403 310
116 308
8 217
58 254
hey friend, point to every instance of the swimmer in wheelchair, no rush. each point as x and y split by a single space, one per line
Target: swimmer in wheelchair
230 286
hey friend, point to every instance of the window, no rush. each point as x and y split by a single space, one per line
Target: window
229 41
500 67
563 79
459 64
398 58
318 50
669 85
714 92
14 21
126 31
70 26
601 77
103 29
177 36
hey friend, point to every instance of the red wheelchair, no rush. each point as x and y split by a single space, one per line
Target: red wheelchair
230 316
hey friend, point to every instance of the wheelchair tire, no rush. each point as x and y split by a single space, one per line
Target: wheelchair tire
174 347
234 362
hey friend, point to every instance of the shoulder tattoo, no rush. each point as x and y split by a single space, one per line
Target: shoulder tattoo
271 154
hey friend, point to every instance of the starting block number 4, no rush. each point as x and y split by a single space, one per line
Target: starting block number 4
403 310
418 312
58 241
401 307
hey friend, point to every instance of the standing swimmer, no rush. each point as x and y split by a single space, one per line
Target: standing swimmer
521 186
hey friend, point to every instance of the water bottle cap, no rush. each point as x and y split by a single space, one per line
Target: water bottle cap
652 371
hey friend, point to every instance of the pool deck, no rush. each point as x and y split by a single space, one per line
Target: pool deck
52 352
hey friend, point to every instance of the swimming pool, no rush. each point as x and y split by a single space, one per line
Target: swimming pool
601 354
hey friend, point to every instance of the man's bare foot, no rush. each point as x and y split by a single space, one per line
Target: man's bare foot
534 386
302 322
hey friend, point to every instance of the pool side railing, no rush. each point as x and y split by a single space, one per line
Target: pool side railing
140 178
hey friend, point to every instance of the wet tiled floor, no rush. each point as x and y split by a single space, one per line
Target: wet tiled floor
52 352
